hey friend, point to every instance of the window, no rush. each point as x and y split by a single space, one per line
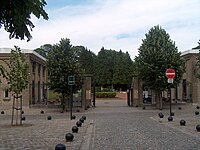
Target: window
33 67
6 93
43 71
39 67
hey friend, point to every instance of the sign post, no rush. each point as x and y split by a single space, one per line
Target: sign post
170 74
71 82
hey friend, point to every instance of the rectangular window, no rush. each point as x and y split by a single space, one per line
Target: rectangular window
33 67
39 67
6 93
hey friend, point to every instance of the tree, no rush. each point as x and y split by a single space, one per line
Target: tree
17 77
156 54
44 50
198 60
15 16
62 62
86 59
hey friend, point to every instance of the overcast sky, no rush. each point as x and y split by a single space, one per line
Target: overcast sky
113 24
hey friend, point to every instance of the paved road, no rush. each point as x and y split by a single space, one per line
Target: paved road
112 125
118 127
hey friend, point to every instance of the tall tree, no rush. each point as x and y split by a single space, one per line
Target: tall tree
198 60
15 16
86 59
44 50
17 77
62 62
156 54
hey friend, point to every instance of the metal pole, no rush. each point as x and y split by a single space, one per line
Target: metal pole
94 95
71 102
170 102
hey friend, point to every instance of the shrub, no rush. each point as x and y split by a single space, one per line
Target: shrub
105 94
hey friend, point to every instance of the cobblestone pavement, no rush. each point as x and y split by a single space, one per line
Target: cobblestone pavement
39 133
118 127
112 125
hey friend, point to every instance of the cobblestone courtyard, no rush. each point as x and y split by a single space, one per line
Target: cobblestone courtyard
112 125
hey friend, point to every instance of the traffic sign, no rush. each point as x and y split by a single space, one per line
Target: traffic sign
170 73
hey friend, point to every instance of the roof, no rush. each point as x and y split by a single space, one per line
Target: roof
26 51
191 51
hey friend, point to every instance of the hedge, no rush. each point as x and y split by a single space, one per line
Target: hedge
105 94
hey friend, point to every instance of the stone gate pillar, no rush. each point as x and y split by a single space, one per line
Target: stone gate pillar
86 93
137 92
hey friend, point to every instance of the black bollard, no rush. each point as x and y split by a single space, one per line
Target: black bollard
196 112
49 118
161 115
77 110
22 112
198 127
60 147
172 113
81 120
143 107
42 112
69 137
182 122
75 129
179 108
2 112
79 124
170 118
84 117
23 118
197 107
73 117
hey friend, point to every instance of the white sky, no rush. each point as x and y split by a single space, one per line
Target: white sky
113 24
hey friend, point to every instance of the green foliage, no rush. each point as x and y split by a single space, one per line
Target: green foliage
157 54
44 50
86 59
62 62
105 94
18 71
112 67
198 61
53 95
15 16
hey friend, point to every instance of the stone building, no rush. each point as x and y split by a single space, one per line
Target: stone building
188 90
36 92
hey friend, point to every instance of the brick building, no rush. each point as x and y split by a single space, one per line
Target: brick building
36 92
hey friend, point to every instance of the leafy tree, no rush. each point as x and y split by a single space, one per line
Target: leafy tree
123 69
86 59
15 16
104 67
17 75
62 62
44 50
156 54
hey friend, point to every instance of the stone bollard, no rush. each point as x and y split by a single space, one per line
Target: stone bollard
161 115
73 117
182 122
60 147
79 124
81 120
196 112
69 137
198 127
170 118
49 118
75 129
84 117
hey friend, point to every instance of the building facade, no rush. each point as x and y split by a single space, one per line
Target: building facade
36 92
189 88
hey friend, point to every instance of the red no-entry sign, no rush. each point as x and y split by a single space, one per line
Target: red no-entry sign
170 73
